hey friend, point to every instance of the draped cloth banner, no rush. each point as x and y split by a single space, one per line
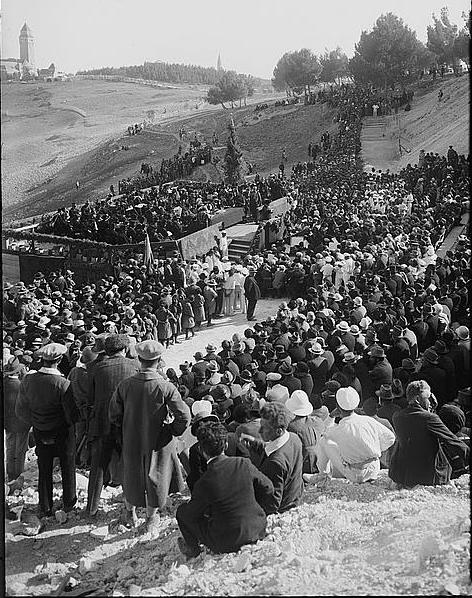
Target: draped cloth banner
279 206
200 242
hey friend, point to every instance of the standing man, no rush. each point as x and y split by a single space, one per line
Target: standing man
104 378
252 293
46 403
223 243
149 411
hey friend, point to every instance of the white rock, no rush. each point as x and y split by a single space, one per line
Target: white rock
61 516
242 563
134 590
100 532
86 565
452 589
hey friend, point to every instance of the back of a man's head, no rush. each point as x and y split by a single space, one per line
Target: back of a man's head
212 437
116 343
418 391
277 415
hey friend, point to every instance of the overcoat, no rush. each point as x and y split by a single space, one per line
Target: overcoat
418 434
141 406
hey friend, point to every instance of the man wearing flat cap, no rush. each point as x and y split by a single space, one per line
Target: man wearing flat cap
104 378
149 412
47 404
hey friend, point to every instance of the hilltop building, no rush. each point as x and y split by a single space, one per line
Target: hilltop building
218 63
24 67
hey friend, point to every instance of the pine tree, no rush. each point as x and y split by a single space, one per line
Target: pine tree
233 157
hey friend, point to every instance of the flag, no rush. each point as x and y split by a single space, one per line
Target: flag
148 257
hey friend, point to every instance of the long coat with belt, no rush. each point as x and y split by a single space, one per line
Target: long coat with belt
418 434
140 406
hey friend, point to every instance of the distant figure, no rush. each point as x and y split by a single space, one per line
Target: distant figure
77 185
112 190
440 95
284 156
375 108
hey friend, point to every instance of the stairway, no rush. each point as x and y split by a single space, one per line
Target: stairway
379 144
238 249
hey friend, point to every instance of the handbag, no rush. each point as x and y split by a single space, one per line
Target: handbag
442 467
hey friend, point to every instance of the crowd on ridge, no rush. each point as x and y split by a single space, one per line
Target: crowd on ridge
370 351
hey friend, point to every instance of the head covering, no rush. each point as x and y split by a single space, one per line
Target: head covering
116 342
201 411
88 355
148 350
299 404
51 351
350 357
462 333
385 392
343 326
431 356
376 351
285 369
347 398
408 364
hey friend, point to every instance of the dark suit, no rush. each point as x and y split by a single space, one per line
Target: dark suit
225 510
418 432
252 293
284 468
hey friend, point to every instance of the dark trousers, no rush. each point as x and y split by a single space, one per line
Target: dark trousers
59 443
100 458
193 532
251 306
16 447
219 302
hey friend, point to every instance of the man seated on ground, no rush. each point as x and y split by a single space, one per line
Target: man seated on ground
225 511
352 448
279 456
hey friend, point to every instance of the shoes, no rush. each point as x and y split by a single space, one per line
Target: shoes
251 319
152 524
69 508
189 551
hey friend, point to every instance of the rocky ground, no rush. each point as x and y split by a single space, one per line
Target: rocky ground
345 539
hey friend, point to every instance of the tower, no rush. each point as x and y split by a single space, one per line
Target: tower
27 46
218 64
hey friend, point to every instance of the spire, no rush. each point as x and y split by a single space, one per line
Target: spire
26 30
218 64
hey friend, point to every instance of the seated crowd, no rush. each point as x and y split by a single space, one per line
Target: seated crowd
371 349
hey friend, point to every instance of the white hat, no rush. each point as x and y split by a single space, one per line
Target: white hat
299 404
347 398
343 326
273 376
201 408
357 301
277 393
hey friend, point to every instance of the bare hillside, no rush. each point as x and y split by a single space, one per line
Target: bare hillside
433 125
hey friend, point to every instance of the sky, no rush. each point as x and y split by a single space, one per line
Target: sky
250 34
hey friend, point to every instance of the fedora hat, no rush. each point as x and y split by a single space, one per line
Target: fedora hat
299 403
350 357
12 367
201 411
431 356
408 364
462 333
212 366
316 348
440 347
285 369
385 392
354 330
245 376
220 392
343 326
211 348
376 351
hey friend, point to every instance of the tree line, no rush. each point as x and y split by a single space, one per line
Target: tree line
166 73
387 55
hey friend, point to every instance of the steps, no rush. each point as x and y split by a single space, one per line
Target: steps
238 249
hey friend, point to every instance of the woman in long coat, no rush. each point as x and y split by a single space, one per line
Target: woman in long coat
198 305
140 406
164 328
188 318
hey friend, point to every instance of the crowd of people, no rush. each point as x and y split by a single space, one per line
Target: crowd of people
365 366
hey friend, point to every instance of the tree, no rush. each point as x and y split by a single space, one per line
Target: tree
231 87
233 157
334 65
442 35
296 71
462 41
388 54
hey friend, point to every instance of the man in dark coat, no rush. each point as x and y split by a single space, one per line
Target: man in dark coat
279 457
418 433
381 372
226 509
288 379
46 402
104 378
252 293
139 407
400 348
